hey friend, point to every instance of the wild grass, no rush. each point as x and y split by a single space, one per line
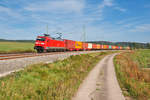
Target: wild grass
133 79
142 58
55 81
16 47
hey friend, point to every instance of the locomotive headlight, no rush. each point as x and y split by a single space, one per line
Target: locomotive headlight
43 43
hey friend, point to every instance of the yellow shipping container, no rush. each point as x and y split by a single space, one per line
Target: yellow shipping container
105 46
114 47
98 46
78 45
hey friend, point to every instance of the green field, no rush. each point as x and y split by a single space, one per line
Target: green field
16 47
55 81
133 72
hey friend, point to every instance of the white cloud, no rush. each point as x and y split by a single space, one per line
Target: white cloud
141 28
106 3
62 6
128 20
147 6
120 9
110 3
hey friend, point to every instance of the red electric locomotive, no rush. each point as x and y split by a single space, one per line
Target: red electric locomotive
46 43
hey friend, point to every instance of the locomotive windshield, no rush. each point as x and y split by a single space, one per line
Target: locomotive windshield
40 39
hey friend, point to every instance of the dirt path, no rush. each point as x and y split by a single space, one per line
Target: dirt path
101 83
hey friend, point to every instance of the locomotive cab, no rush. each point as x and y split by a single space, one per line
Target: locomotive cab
41 43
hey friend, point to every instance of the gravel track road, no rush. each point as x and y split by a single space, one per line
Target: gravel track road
101 83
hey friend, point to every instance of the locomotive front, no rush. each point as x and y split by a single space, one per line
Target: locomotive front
40 44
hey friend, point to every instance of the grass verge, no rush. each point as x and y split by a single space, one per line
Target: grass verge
133 78
55 81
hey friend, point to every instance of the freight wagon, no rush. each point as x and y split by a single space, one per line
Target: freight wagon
85 46
69 45
78 45
90 46
94 46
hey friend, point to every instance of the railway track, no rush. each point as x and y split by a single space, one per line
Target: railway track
24 55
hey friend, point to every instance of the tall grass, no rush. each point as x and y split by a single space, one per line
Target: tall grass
55 81
134 81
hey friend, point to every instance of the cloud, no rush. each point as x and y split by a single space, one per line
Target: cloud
61 6
128 20
120 9
106 3
147 6
141 28
110 3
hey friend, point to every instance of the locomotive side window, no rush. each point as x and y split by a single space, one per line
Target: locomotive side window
41 39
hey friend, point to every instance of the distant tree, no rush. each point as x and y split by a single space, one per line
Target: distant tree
148 45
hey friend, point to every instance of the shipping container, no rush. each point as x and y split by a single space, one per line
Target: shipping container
89 46
102 46
94 46
105 46
78 45
113 47
70 45
85 46
120 47
117 47
98 46
110 47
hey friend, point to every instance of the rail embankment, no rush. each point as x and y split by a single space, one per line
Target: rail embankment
133 73
54 81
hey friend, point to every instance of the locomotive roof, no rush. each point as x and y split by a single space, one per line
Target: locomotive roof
51 38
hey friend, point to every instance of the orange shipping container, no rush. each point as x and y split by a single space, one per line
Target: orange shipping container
120 47
98 46
94 46
78 45
105 46
85 46
114 47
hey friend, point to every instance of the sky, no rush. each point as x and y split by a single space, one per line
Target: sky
104 20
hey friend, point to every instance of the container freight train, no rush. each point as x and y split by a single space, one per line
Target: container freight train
48 44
